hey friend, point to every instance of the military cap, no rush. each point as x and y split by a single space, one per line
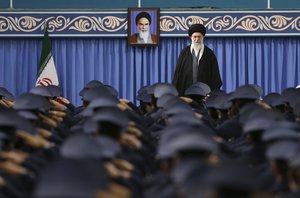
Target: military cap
11 118
25 125
174 102
93 93
217 92
144 96
257 88
195 126
269 98
222 102
185 118
65 178
192 141
104 101
282 150
276 134
247 110
211 101
150 89
277 101
82 147
179 109
30 101
7 117
165 100
90 126
163 89
267 114
168 135
28 115
91 84
206 130
203 86
6 94
285 124
195 90
177 103
257 124
288 91
143 15
289 97
112 90
54 90
165 151
144 88
230 129
294 100
87 112
245 92
112 115
197 28
109 147
41 91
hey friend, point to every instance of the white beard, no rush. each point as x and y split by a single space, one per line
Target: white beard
144 36
197 46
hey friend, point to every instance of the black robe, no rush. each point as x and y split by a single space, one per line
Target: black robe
208 71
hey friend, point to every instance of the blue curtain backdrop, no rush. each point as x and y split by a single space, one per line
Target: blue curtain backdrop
272 63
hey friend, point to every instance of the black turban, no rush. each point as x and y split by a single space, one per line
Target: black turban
197 28
143 15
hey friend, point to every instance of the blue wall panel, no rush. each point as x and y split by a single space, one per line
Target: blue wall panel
76 4
109 4
4 4
205 3
285 4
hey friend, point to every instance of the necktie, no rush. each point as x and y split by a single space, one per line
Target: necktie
195 65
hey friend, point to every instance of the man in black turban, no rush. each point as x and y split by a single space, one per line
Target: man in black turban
143 22
196 63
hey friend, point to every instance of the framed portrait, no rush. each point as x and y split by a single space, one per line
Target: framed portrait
143 26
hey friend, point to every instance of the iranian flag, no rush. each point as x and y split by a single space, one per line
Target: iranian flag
47 73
